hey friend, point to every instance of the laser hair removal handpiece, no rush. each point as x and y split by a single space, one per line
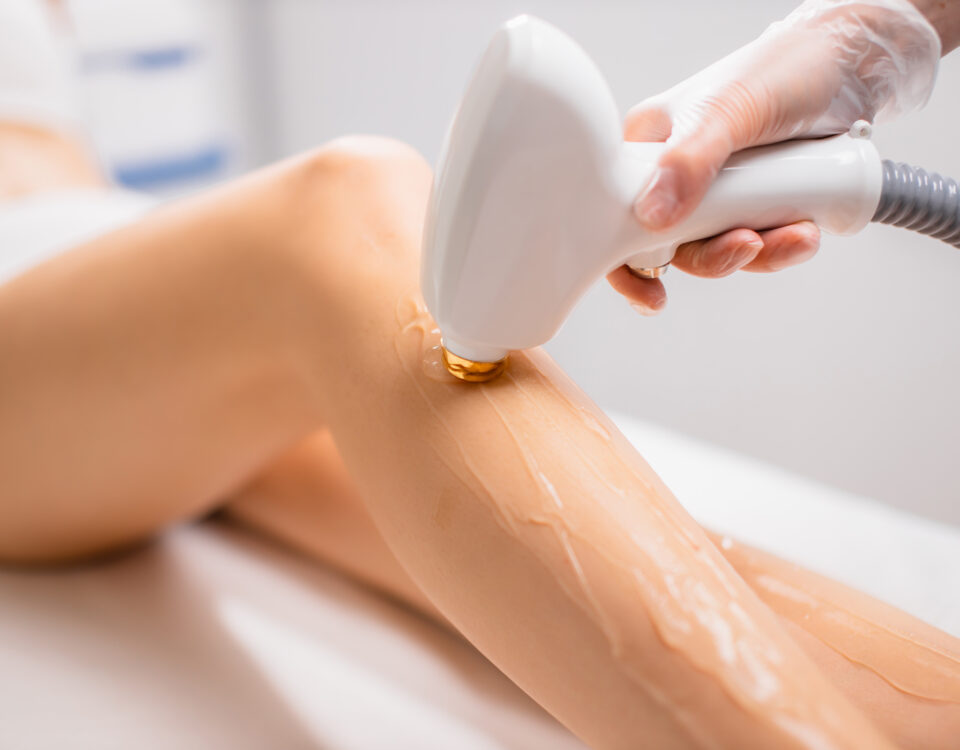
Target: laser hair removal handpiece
532 198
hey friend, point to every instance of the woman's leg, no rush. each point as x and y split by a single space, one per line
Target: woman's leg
152 371
145 373
903 673
307 500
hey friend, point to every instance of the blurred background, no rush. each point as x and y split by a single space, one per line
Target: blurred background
842 370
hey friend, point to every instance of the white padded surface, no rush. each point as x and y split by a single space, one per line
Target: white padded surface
214 638
37 227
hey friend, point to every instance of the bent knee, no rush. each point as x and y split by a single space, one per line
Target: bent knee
374 185
364 158
370 148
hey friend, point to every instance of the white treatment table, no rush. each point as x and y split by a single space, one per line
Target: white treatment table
214 638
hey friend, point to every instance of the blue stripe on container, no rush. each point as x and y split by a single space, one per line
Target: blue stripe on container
169 57
148 175
151 59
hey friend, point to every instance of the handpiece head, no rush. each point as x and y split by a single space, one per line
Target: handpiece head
469 370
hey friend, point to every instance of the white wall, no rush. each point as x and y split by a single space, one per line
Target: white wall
842 370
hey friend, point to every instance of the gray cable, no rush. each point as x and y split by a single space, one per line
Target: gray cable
919 200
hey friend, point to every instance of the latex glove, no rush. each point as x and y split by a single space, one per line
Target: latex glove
828 64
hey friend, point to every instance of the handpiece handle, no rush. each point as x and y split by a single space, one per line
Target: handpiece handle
834 182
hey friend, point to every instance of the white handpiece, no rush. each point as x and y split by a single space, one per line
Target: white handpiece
533 196
835 182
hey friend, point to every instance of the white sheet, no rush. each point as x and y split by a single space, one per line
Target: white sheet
213 638
37 227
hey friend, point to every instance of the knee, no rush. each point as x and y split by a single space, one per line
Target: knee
364 162
360 186
368 150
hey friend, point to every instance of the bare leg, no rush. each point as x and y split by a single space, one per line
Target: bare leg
184 353
153 368
902 672
307 500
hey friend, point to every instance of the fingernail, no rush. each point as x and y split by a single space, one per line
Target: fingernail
647 312
658 204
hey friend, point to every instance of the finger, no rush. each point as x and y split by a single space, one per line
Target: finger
647 121
786 246
720 255
646 296
684 173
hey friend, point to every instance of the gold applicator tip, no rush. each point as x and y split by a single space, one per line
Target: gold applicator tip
470 371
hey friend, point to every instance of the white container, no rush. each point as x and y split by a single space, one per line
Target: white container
150 92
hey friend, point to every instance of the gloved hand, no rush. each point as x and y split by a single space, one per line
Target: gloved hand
826 65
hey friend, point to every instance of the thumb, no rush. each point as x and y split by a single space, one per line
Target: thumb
685 170
647 121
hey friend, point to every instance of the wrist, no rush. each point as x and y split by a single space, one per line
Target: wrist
945 19
885 53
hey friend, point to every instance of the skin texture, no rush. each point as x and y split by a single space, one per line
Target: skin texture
210 337
903 673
